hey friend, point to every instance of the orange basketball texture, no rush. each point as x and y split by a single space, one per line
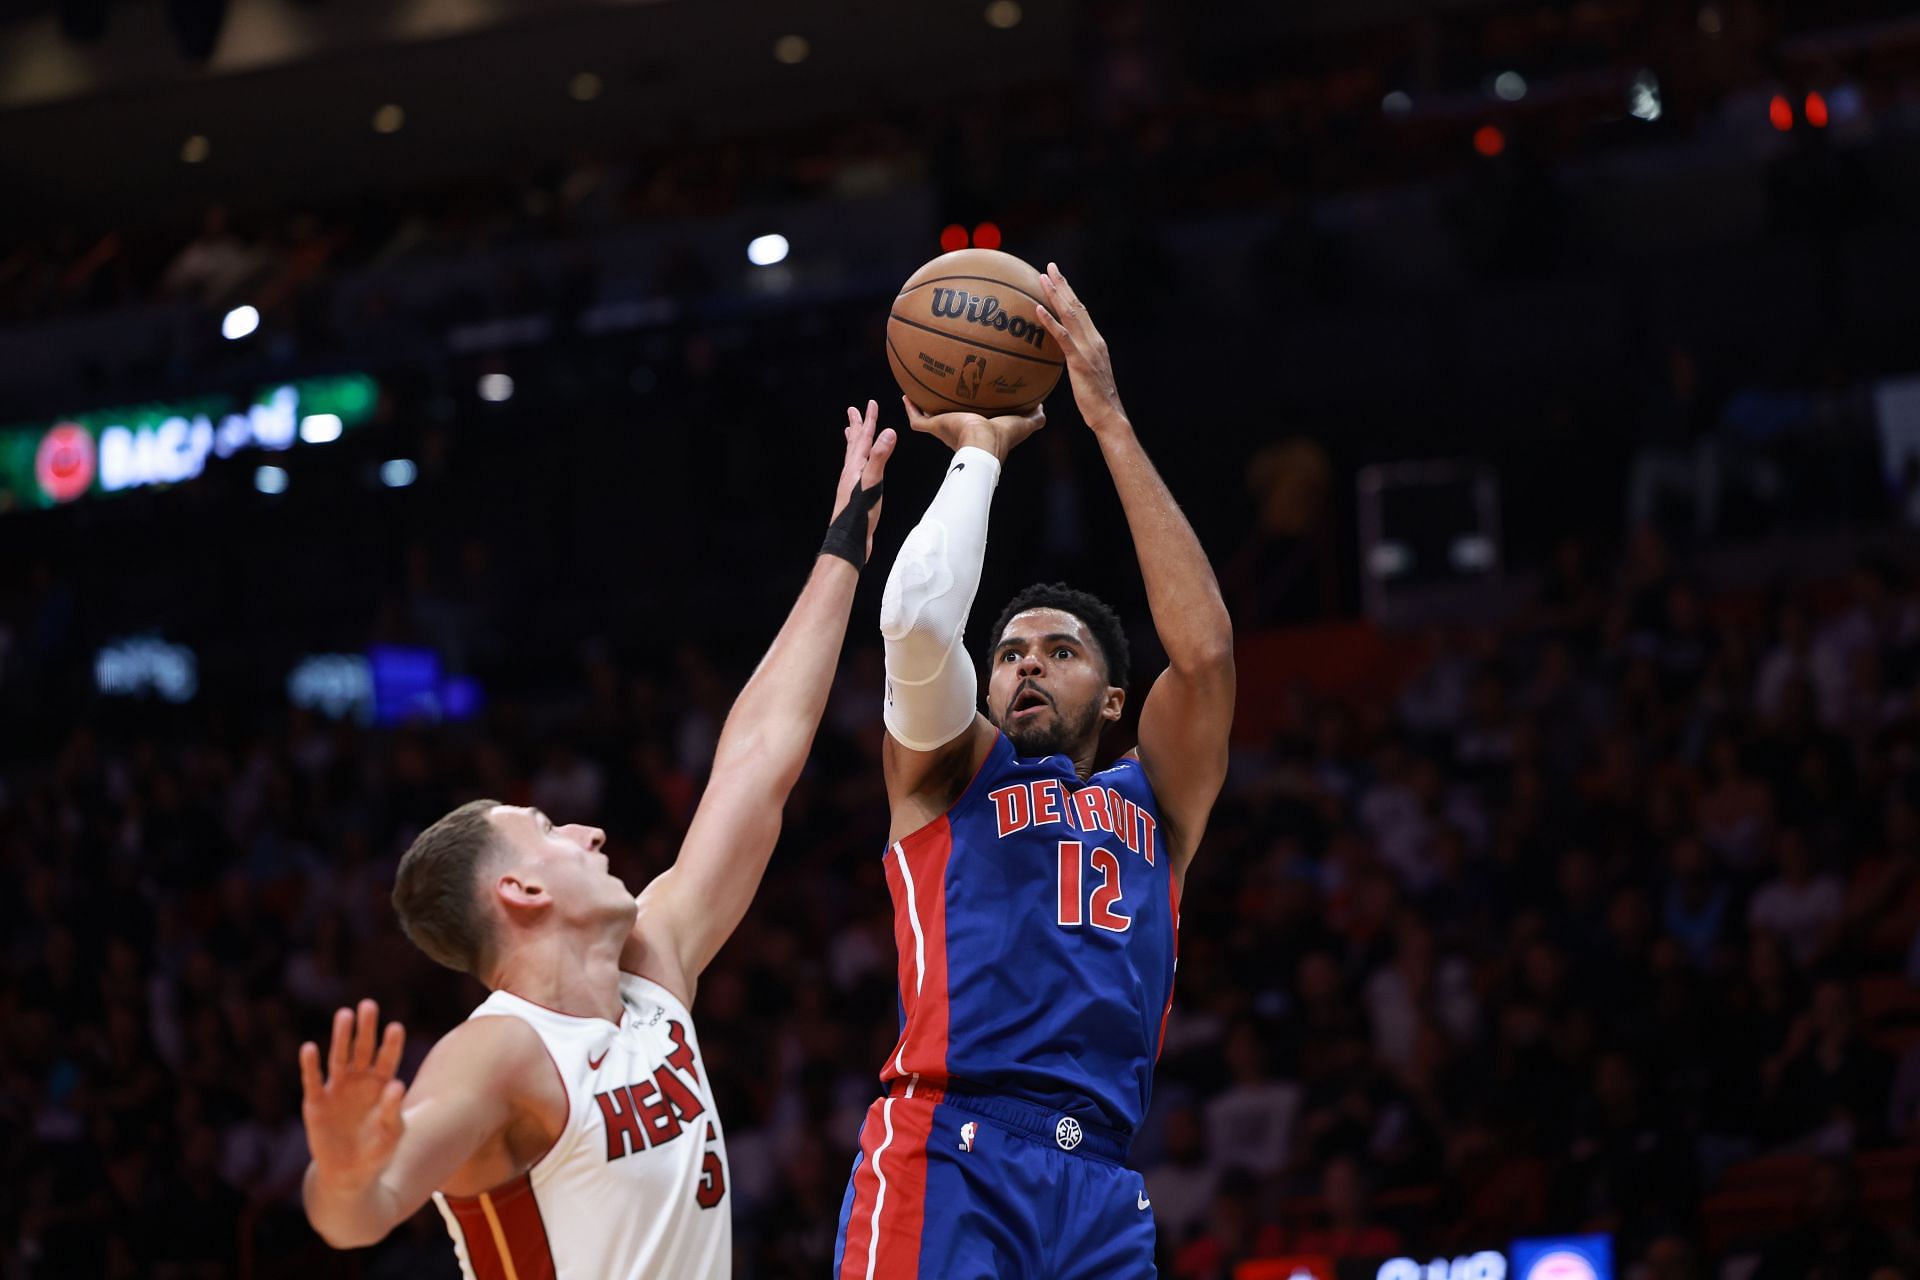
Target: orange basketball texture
965 334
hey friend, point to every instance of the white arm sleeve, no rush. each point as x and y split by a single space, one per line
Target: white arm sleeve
931 686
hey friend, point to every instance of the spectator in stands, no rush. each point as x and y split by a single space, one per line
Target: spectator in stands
1837 1241
1234 1233
1350 1229
1798 906
1827 1083
1182 1185
1250 1123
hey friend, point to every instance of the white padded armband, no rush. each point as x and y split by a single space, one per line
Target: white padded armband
931 686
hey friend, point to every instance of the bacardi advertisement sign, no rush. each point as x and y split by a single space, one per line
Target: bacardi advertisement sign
108 451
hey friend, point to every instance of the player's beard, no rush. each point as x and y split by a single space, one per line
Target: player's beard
1061 735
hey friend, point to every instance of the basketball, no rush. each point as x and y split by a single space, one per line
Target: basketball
965 333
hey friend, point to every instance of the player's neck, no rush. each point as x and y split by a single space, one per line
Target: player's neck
580 978
1083 762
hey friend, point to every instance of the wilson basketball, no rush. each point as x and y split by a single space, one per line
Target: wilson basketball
965 334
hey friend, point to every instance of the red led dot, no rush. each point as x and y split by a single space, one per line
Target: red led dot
1489 141
1780 112
986 236
953 237
1817 110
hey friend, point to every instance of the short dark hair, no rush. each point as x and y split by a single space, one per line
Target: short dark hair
1093 612
436 891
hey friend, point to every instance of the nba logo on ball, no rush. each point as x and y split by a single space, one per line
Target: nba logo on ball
1564 1258
967 1132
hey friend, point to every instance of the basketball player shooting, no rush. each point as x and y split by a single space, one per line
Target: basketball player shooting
567 1129
1035 897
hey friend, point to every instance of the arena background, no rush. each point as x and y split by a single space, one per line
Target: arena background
1541 377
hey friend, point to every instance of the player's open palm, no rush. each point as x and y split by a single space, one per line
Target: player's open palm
997 435
353 1112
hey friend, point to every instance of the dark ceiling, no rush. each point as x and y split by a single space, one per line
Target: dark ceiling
493 100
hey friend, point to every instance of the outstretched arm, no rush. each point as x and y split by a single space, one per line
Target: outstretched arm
1184 722
936 735
691 909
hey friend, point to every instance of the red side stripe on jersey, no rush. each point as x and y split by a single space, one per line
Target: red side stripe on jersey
866 1187
890 1193
505 1233
917 877
1173 907
482 1253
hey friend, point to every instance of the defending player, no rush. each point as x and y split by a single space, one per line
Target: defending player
1035 898
567 1129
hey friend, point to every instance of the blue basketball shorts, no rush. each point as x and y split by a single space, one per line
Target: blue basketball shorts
963 1186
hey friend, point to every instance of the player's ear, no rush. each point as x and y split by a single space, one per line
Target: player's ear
1115 700
520 893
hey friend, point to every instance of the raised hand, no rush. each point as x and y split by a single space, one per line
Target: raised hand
865 464
1089 367
353 1113
960 430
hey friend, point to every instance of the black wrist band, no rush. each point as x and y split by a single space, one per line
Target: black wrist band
847 535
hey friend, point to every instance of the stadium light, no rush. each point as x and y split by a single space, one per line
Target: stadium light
791 50
1489 141
495 388
1816 109
1397 103
1643 97
390 118
239 322
321 428
1780 113
195 149
270 479
987 236
398 473
584 87
953 236
1510 86
764 251
1004 14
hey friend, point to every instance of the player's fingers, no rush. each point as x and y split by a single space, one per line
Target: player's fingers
391 1045
1059 281
1059 331
873 416
916 419
877 458
310 1083
366 1022
341 1044
390 1099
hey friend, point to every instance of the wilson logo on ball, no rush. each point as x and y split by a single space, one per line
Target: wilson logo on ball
958 304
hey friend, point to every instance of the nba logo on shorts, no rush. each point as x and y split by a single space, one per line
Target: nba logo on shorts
967 1132
1067 1133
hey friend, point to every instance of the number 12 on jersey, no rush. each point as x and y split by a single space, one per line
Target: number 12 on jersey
1099 912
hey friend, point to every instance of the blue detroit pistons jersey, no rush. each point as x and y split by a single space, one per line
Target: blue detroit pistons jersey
1036 923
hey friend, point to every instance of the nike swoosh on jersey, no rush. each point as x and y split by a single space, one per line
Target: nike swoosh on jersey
593 1063
1144 1202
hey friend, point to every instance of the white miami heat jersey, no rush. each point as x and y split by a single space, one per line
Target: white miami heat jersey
636 1186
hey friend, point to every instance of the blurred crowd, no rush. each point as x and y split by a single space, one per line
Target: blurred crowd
1612 899
1223 109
